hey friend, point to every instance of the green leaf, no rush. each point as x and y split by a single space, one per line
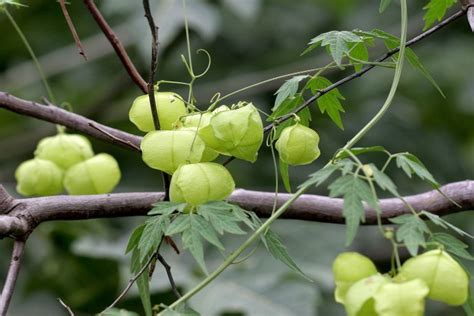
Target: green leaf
151 236
179 224
193 242
452 245
181 310
383 181
206 230
319 176
287 90
359 151
336 42
166 208
274 245
142 282
410 164
435 11
384 5
285 177
223 220
330 101
134 238
354 213
359 52
287 106
445 224
411 232
118 312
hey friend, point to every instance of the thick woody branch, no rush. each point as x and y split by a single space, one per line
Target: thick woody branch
12 275
34 211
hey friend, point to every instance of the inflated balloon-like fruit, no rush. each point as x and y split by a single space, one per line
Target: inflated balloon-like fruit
200 183
348 268
65 150
167 150
236 132
359 300
39 177
446 279
298 145
170 107
97 175
208 154
197 120
401 299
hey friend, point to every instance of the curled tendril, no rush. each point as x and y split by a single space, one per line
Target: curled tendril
215 98
209 62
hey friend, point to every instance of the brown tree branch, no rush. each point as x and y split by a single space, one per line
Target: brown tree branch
12 275
70 24
117 45
33 211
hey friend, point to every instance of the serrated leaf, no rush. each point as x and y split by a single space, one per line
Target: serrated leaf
435 11
287 90
336 43
320 176
445 224
384 5
221 220
166 208
287 106
411 232
142 283
354 213
330 102
193 242
276 248
285 177
134 238
359 151
151 236
185 311
410 164
359 52
452 245
205 229
384 182
179 224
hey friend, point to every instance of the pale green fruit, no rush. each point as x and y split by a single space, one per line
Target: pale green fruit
348 268
359 299
167 150
446 279
170 108
97 175
298 145
197 120
39 177
200 183
401 299
208 154
65 150
236 132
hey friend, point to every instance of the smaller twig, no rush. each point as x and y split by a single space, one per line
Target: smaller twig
168 272
72 29
172 244
131 281
12 275
69 310
125 142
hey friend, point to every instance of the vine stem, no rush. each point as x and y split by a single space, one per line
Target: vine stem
234 255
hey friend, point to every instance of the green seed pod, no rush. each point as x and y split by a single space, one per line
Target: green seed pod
97 175
170 108
208 154
200 183
235 132
167 150
348 268
298 145
359 299
65 150
401 299
39 177
197 120
446 279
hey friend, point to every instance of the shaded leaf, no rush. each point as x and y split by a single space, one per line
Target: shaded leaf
206 230
179 224
452 245
410 164
384 5
193 242
329 102
383 181
359 150
285 177
359 52
336 43
134 238
166 208
411 232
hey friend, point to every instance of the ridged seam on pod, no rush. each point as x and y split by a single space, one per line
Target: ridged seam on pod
446 279
167 150
236 132
170 107
348 268
97 175
298 145
208 154
39 177
65 150
199 183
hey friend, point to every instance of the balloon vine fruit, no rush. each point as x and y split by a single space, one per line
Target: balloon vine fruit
208 154
170 107
200 183
298 145
348 268
97 175
39 177
167 150
359 299
65 150
236 132
446 279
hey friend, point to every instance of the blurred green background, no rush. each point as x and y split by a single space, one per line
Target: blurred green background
249 40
